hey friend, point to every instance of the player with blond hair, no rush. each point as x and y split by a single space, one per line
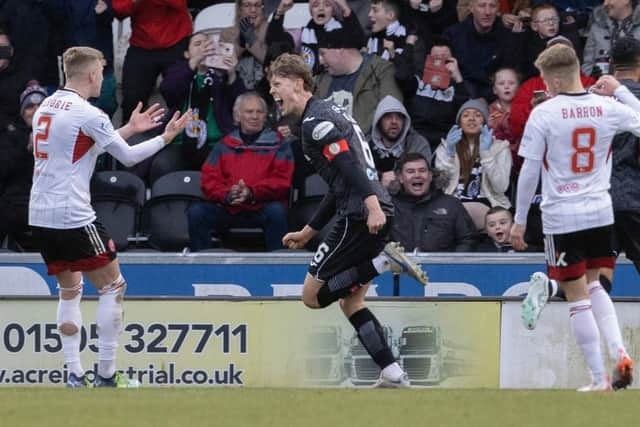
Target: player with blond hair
68 135
568 139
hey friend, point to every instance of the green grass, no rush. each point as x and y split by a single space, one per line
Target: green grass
48 407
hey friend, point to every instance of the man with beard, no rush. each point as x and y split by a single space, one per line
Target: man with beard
391 137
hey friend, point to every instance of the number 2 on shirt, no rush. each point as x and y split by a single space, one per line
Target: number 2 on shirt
583 159
44 123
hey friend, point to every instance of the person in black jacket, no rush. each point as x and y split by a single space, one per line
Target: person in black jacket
16 170
625 172
427 219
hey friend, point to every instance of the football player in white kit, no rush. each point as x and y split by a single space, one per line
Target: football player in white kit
569 138
68 135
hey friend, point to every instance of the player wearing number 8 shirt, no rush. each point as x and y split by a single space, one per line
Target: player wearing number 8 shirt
69 134
356 249
569 139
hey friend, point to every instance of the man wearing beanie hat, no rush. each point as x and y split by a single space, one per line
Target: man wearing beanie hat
478 165
30 99
353 81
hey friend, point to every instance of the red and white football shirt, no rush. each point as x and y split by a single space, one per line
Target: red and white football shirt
68 135
571 134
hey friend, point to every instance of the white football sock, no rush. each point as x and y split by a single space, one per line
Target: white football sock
109 318
381 263
585 331
393 371
607 319
69 314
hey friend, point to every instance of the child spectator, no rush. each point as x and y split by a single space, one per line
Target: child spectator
498 222
545 25
505 85
326 15
388 35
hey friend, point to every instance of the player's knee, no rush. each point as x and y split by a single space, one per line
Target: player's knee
117 287
310 300
68 328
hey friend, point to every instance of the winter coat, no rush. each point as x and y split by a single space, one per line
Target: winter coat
434 222
175 91
599 37
625 173
265 166
433 111
496 171
375 81
409 140
481 54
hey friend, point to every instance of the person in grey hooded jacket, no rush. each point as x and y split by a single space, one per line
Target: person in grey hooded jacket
391 136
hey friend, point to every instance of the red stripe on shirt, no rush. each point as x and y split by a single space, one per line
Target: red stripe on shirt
83 144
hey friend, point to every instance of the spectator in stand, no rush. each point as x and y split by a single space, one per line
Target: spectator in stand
505 85
498 222
612 20
209 92
432 108
426 219
353 81
476 164
545 24
19 19
325 14
391 137
159 37
89 23
249 37
246 180
12 80
16 169
482 45
388 35
625 173
431 17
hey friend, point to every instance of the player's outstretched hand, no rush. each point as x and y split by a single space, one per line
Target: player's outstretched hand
605 85
149 119
176 125
517 237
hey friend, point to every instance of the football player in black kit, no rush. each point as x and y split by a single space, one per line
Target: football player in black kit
356 249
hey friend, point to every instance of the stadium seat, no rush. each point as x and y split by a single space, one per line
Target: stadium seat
118 197
164 215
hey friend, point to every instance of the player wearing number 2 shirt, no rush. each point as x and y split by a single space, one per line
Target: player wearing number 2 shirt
68 135
568 138
356 249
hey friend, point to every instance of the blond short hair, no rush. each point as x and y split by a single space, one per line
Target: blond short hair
76 59
559 61
291 66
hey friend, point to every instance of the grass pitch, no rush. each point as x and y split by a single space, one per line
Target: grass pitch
239 407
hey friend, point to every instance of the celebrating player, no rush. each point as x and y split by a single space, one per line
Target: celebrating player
68 135
569 138
354 252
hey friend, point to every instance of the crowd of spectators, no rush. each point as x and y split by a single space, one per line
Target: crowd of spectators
441 89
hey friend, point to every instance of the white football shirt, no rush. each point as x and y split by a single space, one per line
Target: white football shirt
571 134
68 135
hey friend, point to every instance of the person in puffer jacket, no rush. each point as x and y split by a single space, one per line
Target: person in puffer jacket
246 180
